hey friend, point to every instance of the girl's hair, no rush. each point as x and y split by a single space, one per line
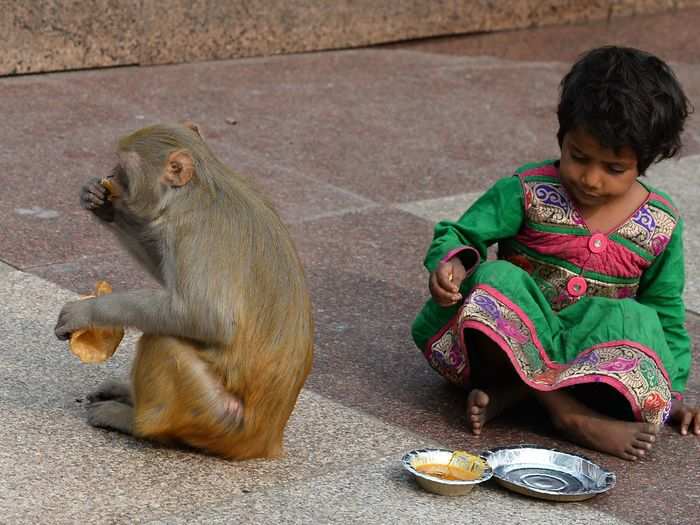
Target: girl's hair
625 97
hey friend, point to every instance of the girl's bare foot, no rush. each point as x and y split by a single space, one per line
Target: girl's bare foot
477 410
484 405
586 427
624 439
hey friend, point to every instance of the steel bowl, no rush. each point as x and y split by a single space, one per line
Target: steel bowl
548 474
444 487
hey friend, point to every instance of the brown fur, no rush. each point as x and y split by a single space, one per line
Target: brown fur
232 327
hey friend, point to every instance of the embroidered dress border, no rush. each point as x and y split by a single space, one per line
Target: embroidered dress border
624 365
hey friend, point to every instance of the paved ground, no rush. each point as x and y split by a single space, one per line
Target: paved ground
362 151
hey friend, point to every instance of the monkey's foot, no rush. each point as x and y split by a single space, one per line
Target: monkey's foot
112 415
111 390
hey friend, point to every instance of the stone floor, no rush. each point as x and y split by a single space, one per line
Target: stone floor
361 151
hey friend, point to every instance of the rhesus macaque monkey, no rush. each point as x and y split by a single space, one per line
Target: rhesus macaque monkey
228 339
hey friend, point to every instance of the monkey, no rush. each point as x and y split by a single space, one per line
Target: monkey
227 338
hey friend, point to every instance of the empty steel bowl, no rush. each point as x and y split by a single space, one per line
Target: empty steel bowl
548 474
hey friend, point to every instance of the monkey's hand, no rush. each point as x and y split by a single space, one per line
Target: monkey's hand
74 316
93 197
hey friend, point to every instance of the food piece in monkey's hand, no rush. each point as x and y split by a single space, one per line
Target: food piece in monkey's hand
112 189
95 345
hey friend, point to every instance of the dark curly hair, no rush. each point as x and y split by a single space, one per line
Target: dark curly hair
625 97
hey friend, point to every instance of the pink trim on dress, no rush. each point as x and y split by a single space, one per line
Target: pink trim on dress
449 255
548 170
440 333
524 318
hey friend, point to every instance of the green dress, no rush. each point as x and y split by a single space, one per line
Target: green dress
567 305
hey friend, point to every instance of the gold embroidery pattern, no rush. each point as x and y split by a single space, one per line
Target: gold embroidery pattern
548 203
650 229
631 367
448 358
481 307
552 280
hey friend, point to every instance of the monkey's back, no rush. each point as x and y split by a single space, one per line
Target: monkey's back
271 353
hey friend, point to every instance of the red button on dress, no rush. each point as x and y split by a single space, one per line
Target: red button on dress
576 286
597 243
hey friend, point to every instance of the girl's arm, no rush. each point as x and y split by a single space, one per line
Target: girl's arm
496 215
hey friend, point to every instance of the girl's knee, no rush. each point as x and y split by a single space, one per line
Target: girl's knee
637 311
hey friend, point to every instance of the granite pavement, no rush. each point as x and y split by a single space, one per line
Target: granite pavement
361 151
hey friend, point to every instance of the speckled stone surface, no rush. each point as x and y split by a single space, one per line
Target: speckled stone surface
671 35
53 35
383 493
5 268
361 151
57 469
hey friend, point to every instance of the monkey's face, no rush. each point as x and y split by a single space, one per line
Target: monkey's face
156 165
140 190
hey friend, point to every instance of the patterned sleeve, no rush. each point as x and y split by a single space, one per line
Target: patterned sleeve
661 288
496 215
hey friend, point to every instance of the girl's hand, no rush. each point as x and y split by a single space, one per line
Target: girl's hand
687 418
445 281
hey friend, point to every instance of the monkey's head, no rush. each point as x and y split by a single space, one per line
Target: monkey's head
156 165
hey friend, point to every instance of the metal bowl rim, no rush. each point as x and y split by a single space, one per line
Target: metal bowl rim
610 478
406 461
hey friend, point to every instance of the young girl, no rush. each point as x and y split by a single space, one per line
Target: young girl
584 307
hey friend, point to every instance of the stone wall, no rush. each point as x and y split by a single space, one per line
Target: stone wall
51 35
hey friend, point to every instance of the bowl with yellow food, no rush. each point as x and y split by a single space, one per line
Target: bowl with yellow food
447 472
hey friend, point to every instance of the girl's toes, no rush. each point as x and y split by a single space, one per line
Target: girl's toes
478 398
631 454
647 438
642 445
637 452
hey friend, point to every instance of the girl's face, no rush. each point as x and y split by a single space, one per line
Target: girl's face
593 175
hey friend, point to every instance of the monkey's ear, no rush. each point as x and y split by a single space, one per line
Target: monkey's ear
179 168
194 127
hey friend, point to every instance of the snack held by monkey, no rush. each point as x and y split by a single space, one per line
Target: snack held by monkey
95 345
112 189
